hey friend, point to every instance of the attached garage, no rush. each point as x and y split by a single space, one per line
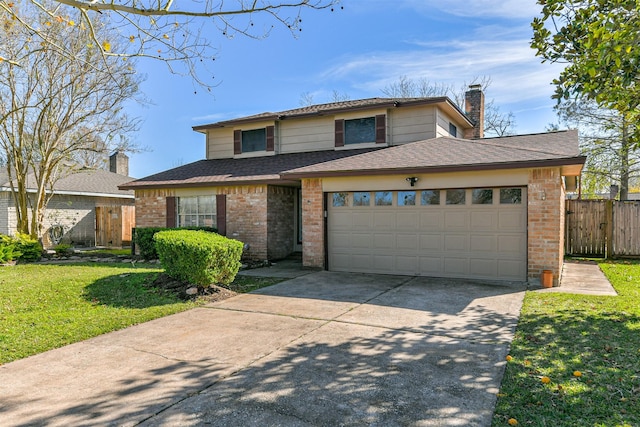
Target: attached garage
468 232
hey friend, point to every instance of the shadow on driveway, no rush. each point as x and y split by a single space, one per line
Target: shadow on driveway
322 349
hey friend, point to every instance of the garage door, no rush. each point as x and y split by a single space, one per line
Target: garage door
466 233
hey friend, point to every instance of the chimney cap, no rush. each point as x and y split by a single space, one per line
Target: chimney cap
475 86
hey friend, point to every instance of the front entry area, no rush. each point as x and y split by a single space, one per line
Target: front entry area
476 233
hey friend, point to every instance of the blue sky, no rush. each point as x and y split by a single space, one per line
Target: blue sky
356 51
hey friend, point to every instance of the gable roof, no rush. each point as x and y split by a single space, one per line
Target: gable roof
85 182
266 169
446 154
340 107
433 155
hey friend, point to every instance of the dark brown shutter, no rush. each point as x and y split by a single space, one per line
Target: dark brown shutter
271 134
237 142
381 129
221 214
339 133
171 212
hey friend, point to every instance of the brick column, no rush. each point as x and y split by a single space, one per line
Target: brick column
546 206
312 223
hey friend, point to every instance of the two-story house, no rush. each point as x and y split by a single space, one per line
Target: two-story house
398 186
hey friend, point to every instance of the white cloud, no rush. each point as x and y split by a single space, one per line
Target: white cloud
511 9
516 73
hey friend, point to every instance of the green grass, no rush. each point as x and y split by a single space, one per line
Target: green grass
107 252
47 306
559 334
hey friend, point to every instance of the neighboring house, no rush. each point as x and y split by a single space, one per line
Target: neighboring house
379 186
70 216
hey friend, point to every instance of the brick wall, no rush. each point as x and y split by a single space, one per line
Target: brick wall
151 207
247 217
280 221
546 206
313 223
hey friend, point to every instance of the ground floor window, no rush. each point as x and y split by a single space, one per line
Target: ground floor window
196 211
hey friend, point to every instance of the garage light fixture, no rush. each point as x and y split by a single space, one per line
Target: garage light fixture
412 180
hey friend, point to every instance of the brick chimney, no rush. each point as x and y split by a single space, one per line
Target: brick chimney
474 107
119 163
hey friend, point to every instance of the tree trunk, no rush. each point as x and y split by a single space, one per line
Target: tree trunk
624 162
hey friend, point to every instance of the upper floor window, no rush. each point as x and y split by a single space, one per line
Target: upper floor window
361 131
453 130
253 140
358 131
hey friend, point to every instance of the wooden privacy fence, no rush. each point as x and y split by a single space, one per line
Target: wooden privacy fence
603 228
114 224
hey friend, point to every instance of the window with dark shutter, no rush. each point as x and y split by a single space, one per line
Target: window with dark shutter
237 142
271 131
221 212
360 131
171 212
339 133
381 129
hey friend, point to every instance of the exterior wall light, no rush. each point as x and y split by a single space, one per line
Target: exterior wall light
412 180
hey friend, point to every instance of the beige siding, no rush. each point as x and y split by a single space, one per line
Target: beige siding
411 124
220 143
442 127
516 177
313 134
404 125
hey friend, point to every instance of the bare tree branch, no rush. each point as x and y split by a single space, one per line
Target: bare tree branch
180 34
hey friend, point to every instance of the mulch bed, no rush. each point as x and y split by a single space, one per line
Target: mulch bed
187 291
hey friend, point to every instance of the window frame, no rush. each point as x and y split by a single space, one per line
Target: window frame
200 212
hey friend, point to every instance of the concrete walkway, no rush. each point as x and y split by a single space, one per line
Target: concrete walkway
321 349
582 277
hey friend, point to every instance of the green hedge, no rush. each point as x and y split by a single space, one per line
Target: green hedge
198 257
143 239
22 248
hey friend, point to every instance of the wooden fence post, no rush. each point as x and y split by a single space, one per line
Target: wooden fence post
610 252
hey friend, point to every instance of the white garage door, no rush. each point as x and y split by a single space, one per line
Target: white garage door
467 233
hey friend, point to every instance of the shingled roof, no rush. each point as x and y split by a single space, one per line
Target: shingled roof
85 182
267 169
338 107
432 155
450 154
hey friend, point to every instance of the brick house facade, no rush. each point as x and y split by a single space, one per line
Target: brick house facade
377 185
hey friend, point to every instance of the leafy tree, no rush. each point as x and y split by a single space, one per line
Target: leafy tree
54 107
178 33
604 138
600 43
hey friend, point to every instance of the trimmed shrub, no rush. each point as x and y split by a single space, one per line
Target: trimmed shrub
30 248
8 249
198 257
143 239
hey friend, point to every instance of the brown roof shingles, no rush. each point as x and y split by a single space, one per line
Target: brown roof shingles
238 171
451 153
333 107
437 154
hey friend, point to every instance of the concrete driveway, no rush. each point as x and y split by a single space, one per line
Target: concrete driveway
321 349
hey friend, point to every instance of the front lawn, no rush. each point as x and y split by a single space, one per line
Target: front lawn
575 359
48 306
